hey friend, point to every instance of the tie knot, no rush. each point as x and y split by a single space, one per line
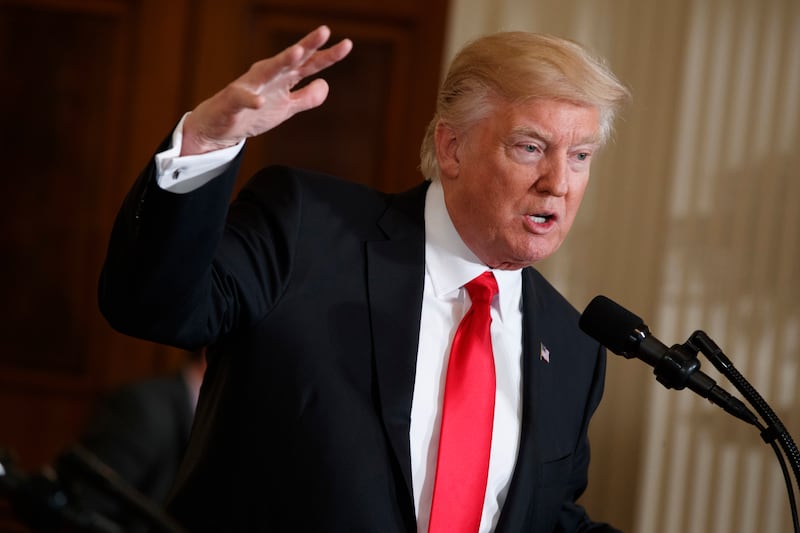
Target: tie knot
483 288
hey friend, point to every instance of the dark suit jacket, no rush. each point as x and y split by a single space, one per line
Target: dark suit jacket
311 297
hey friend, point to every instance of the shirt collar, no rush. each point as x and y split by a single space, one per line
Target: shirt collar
450 264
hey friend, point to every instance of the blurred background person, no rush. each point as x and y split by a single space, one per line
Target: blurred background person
140 431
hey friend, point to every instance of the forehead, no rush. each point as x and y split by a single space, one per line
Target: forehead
551 120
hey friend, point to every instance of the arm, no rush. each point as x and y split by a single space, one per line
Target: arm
160 279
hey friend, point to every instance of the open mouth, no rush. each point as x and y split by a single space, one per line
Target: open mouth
541 219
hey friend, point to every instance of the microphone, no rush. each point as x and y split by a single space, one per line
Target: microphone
677 367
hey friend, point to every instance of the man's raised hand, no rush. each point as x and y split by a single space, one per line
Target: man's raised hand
262 98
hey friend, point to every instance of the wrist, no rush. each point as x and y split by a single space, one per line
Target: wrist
194 142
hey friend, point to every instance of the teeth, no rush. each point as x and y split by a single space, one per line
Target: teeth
538 219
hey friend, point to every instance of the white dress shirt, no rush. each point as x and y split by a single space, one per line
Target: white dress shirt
449 265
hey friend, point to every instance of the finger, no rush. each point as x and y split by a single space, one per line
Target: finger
287 61
297 54
323 59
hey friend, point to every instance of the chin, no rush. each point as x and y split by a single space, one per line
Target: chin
521 261
516 257
535 258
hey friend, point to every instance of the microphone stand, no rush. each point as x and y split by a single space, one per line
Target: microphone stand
774 430
678 369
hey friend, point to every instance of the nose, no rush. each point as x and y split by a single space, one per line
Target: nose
554 175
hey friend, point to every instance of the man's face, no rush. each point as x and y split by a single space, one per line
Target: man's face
513 181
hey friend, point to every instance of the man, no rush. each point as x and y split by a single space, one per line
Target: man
331 308
140 431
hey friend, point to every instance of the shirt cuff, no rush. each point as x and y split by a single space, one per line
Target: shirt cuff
185 174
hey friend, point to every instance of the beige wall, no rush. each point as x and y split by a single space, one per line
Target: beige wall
692 221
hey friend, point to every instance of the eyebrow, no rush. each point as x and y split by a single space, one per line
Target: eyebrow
528 131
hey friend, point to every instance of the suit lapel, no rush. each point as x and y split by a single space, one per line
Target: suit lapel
536 390
395 271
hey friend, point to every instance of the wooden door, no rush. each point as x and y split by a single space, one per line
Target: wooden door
382 96
90 87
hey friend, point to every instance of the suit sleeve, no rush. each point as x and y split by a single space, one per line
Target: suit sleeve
185 270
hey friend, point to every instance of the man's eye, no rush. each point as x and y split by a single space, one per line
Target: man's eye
531 148
583 156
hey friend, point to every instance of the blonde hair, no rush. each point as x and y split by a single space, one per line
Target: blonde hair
518 66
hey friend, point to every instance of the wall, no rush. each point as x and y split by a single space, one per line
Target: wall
691 220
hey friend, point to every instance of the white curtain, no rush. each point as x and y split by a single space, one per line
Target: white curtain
691 220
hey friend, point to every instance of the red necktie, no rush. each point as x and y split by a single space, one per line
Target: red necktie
467 416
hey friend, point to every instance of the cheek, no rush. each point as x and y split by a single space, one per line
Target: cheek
501 209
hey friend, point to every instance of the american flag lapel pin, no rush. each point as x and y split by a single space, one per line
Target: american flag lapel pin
544 353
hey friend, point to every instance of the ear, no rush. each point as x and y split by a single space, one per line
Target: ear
447 143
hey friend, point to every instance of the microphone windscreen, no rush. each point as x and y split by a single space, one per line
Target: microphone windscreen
610 324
